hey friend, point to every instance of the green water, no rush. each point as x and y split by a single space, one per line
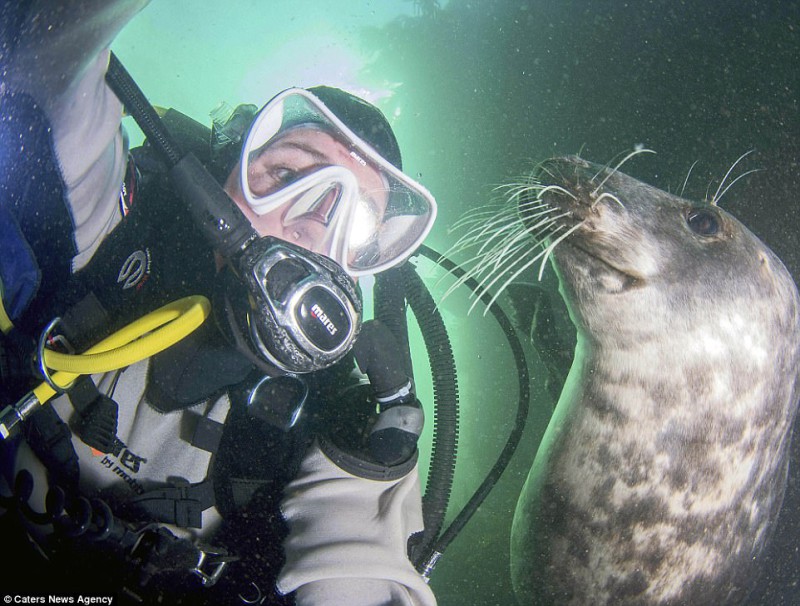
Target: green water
478 91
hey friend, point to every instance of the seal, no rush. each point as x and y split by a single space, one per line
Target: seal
663 468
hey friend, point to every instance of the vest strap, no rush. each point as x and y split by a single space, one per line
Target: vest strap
182 505
207 434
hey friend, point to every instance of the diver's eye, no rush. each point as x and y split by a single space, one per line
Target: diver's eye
285 176
702 222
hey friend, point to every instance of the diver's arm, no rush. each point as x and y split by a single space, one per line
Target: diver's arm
354 505
59 60
58 41
348 536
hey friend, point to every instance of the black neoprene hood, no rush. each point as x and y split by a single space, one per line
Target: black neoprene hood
364 119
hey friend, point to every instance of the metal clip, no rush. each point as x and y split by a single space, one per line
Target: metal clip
43 340
208 558
429 565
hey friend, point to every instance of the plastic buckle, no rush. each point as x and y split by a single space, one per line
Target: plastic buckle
209 559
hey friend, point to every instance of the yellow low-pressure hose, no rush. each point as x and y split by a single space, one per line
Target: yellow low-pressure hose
138 340
5 322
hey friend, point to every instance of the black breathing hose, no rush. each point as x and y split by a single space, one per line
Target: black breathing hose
433 547
137 105
445 393
226 229
389 302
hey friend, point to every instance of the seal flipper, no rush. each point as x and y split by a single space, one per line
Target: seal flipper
539 311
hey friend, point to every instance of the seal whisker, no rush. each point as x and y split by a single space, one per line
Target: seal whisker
470 273
558 189
506 251
480 224
484 258
497 235
708 188
518 182
716 196
555 243
538 239
517 193
686 180
544 254
485 287
610 196
513 222
480 221
524 181
490 262
512 190
606 166
477 231
527 217
533 209
477 215
496 265
635 152
486 262
500 234
489 232
546 170
544 223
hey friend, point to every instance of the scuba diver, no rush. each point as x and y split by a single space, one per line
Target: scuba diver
270 455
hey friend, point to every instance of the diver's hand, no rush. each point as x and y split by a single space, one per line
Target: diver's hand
393 438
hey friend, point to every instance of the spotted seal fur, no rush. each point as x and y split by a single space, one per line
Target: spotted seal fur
663 468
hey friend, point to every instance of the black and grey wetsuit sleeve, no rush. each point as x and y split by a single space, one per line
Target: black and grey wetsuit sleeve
59 59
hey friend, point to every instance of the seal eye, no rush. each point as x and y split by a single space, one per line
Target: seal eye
703 222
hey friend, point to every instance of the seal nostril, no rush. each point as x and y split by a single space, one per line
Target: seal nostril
703 222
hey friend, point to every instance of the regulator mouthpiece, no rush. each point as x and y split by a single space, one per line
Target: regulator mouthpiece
300 310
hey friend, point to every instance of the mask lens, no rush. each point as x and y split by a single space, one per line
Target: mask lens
365 224
379 240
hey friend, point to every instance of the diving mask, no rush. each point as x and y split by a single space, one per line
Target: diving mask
328 190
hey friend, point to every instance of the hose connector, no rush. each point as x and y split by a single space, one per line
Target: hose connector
12 416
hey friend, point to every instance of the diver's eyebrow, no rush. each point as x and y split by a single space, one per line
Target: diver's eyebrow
311 150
